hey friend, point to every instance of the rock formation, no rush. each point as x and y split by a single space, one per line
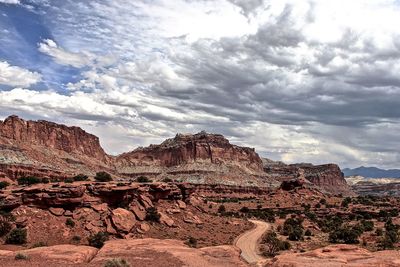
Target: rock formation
136 252
46 149
329 178
338 255
210 156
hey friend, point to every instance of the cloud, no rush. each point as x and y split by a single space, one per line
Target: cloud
298 80
15 2
16 76
62 57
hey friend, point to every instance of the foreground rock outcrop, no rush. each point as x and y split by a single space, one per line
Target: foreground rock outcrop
338 256
136 252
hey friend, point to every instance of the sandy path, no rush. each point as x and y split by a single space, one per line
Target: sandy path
248 242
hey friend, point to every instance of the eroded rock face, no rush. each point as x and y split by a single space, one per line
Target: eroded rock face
189 153
329 178
338 255
52 135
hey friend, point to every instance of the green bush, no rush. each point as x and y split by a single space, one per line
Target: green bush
152 215
69 181
76 239
308 232
20 256
4 184
70 223
244 209
293 228
116 263
143 179
368 225
167 180
97 240
103 177
39 244
271 244
28 180
80 177
346 202
221 209
45 180
345 234
379 232
17 236
192 242
5 226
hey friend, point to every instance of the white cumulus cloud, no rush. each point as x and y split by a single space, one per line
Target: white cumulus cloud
17 76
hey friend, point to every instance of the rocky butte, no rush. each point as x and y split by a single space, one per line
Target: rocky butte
46 149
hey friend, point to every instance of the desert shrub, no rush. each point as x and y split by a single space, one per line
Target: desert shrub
143 179
39 244
21 256
368 225
272 244
4 184
17 236
167 180
76 238
103 177
45 180
116 263
244 209
152 215
80 177
5 226
221 209
322 201
344 234
97 240
70 223
318 206
293 228
68 180
28 180
191 242
346 202
308 232
330 223
379 232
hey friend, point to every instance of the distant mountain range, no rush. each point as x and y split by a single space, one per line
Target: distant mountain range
372 172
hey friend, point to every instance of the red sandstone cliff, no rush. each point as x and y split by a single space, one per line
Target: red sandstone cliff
209 156
47 149
57 136
327 177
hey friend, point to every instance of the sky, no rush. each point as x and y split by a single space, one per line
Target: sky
301 81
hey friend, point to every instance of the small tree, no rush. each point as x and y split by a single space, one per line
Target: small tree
152 215
80 177
272 244
103 177
4 184
28 180
97 240
70 223
143 179
17 236
221 209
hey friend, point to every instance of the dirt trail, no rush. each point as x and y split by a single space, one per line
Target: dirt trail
248 242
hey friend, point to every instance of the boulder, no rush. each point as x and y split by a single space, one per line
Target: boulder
165 219
181 204
123 219
138 210
57 211
101 208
